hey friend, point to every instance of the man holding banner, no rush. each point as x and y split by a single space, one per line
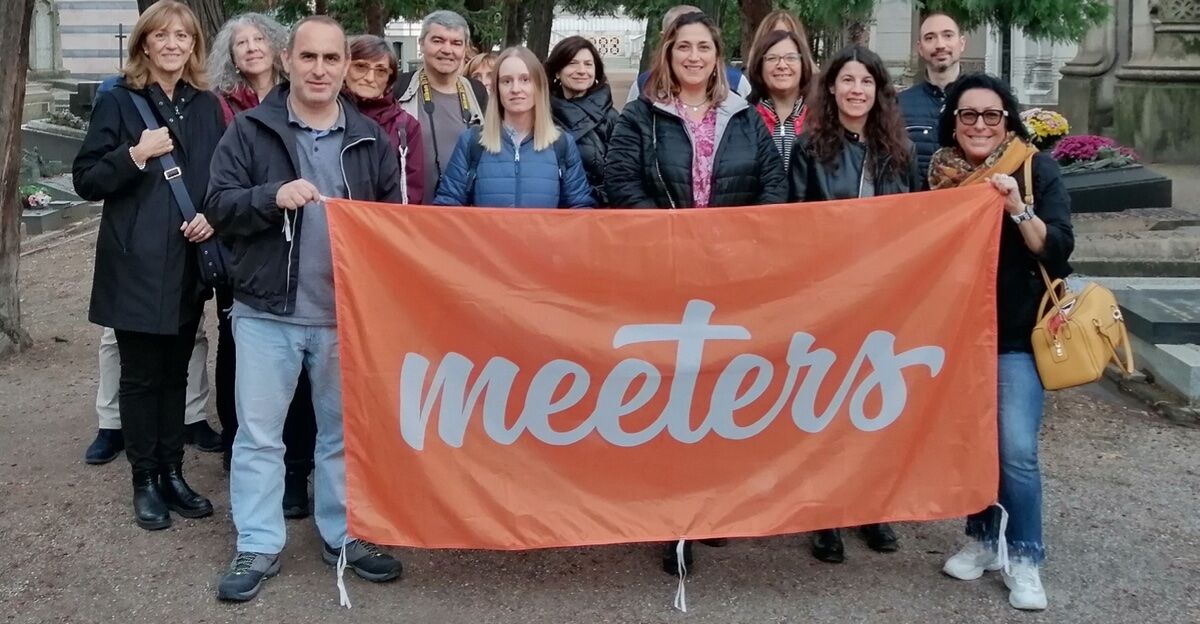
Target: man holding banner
272 172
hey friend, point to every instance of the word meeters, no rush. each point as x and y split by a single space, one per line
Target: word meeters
459 397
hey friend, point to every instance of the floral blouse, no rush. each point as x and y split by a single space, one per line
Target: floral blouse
704 139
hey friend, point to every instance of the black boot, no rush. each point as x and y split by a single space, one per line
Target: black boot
295 494
179 496
149 510
827 546
201 436
880 537
670 562
108 444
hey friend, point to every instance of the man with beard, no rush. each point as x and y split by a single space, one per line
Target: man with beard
438 95
941 45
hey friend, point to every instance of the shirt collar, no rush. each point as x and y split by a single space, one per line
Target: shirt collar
338 124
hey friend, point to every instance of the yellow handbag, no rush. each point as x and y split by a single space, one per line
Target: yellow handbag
1077 334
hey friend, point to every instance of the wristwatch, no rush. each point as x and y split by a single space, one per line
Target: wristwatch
1023 216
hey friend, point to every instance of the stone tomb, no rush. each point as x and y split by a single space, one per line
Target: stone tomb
1163 316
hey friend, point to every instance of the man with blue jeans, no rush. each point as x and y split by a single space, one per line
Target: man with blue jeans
273 169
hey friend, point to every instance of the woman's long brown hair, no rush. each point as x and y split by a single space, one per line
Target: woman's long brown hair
887 141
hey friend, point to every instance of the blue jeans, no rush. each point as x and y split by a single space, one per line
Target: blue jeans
270 354
1020 419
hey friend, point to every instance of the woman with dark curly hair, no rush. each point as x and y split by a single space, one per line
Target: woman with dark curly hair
854 145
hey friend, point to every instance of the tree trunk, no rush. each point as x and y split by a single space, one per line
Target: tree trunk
859 33
649 43
482 31
514 23
753 13
375 18
541 20
14 46
211 14
711 8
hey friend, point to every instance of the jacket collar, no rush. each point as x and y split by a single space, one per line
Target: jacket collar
730 106
273 113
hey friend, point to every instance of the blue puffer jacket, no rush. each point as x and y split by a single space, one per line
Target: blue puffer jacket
922 106
517 177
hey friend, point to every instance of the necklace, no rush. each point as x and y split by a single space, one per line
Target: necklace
695 108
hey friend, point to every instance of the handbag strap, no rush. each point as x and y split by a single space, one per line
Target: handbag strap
171 170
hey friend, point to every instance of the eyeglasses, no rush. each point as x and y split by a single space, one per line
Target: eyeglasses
991 117
773 59
359 69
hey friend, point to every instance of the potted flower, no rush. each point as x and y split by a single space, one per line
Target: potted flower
1101 175
38 215
1088 152
1045 126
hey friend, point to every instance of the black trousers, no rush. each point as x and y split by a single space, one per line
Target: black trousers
152 395
300 427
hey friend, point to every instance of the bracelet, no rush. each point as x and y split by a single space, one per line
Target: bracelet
140 165
1023 216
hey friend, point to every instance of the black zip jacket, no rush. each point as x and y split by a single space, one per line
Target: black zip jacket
146 277
256 156
649 162
922 105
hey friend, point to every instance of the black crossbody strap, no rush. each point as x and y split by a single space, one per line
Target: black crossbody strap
171 170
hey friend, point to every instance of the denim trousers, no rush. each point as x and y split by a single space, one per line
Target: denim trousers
1020 420
270 356
300 426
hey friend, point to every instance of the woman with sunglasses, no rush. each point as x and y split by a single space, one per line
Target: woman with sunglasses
854 145
984 142
369 81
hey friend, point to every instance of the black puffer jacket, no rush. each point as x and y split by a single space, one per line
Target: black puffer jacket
813 180
589 118
256 156
146 277
649 163
922 105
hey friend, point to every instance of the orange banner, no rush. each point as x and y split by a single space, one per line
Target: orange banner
518 379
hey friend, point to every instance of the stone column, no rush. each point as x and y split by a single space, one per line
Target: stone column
1158 95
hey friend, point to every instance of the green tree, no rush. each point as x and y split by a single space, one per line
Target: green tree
1059 21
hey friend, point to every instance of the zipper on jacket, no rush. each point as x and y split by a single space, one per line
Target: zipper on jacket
287 286
517 174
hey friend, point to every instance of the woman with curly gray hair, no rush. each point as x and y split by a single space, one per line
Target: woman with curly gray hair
245 61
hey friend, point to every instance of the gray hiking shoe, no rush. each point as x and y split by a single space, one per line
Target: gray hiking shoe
246 575
366 560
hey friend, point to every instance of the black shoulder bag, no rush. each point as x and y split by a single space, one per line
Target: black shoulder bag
211 257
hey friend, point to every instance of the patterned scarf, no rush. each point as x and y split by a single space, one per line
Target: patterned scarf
950 168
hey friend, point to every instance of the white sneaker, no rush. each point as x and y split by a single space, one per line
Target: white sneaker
970 563
1025 586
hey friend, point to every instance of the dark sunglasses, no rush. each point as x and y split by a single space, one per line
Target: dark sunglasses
991 117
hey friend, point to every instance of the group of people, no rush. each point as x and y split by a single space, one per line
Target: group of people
273 121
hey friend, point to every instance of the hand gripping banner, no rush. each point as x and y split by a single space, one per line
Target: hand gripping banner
518 379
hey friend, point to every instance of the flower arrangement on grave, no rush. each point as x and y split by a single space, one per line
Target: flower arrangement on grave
1088 152
1045 126
34 197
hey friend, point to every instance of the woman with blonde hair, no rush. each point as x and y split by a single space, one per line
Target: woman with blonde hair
146 284
480 68
518 158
